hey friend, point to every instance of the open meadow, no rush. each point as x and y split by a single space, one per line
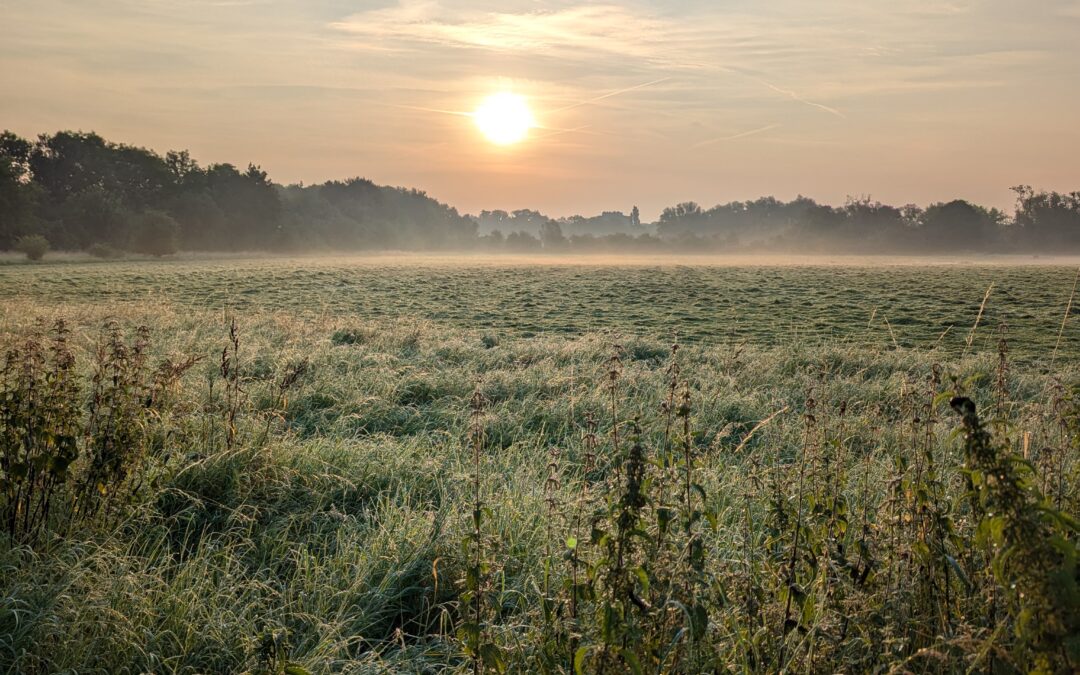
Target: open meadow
918 303
289 465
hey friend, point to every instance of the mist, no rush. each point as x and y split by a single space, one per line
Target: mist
76 191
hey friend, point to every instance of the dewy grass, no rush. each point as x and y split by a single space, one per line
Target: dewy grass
631 515
761 304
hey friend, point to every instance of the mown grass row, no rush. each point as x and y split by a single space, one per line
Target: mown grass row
335 495
764 301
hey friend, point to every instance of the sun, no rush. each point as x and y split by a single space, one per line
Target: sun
504 118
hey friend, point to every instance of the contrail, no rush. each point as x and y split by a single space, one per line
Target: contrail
610 94
433 110
560 132
744 134
555 131
795 97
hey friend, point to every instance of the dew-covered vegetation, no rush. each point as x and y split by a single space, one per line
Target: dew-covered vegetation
871 302
323 466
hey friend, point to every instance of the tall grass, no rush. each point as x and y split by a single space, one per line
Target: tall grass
304 501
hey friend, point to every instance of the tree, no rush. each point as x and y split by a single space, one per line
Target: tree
78 189
680 220
17 192
683 210
156 233
551 237
200 219
92 216
1047 219
958 226
493 220
493 241
249 202
68 163
182 167
522 242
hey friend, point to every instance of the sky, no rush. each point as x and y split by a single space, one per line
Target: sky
638 103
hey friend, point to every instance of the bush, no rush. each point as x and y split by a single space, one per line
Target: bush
34 246
156 234
104 251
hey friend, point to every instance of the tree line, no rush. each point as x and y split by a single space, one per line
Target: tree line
78 191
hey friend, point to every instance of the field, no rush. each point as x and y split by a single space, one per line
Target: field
866 302
416 465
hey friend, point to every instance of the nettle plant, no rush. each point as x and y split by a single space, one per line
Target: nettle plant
73 451
1031 545
40 426
637 589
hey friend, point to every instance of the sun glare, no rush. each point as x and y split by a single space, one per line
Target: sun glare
504 118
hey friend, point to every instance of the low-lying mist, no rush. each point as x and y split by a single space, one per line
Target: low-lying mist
78 192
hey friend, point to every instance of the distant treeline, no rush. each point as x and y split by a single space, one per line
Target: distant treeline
81 192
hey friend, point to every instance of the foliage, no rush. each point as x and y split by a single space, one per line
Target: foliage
1032 548
79 189
156 234
333 493
63 462
33 246
104 251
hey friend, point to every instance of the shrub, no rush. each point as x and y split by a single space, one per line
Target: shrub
104 251
34 246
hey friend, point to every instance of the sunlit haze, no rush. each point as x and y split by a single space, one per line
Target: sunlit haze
643 103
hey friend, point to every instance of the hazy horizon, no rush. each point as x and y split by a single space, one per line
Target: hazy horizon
636 102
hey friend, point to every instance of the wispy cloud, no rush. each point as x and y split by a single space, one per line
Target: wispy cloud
326 88
604 28
648 42
817 59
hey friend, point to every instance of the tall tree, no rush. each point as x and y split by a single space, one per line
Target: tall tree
18 195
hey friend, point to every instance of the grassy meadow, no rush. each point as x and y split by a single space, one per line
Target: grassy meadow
875 302
393 465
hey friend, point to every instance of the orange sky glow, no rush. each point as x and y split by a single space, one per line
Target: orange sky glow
643 103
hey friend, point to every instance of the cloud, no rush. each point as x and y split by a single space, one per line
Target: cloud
356 81
603 28
590 34
819 58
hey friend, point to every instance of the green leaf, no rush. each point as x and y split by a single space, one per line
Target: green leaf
959 572
943 397
698 488
579 660
643 578
713 521
631 660
699 621
492 657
